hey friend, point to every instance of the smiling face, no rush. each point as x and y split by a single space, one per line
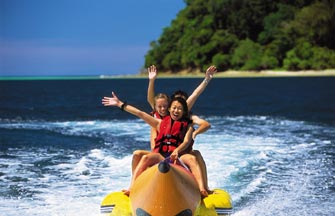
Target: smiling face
176 110
161 106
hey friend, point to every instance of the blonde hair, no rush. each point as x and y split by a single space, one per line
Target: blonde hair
161 96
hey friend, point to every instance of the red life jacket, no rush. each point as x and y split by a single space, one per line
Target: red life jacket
171 135
157 115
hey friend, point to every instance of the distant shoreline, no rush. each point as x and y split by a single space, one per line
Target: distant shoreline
183 74
249 74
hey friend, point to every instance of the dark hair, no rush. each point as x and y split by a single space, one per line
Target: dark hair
180 93
183 103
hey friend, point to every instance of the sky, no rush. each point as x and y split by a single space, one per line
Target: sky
80 37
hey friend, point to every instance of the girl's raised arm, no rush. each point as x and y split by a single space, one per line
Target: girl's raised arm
114 101
196 93
152 74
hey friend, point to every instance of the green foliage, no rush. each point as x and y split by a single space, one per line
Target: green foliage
269 58
247 35
247 56
305 56
314 23
298 58
323 58
274 21
221 61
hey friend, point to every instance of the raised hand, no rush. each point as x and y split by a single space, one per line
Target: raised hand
152 72
210 72
111 101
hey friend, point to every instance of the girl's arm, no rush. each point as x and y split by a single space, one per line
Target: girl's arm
196 93
114 101
151 86
153 135
202 124
184 145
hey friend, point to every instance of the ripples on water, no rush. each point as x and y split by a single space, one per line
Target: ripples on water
270 166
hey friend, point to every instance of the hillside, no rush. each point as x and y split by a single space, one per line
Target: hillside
247 35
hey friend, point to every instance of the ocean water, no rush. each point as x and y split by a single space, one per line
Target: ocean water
271 144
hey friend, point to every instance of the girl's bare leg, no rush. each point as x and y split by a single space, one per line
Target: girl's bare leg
146 161
137 155
191 162
203 168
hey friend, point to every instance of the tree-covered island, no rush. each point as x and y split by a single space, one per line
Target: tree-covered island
248 35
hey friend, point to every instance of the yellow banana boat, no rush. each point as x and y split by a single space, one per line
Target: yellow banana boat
166 190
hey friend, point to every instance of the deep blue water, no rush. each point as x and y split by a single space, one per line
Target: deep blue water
271 145
307 98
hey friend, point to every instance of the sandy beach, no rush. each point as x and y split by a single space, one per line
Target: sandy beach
235 74
330 72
